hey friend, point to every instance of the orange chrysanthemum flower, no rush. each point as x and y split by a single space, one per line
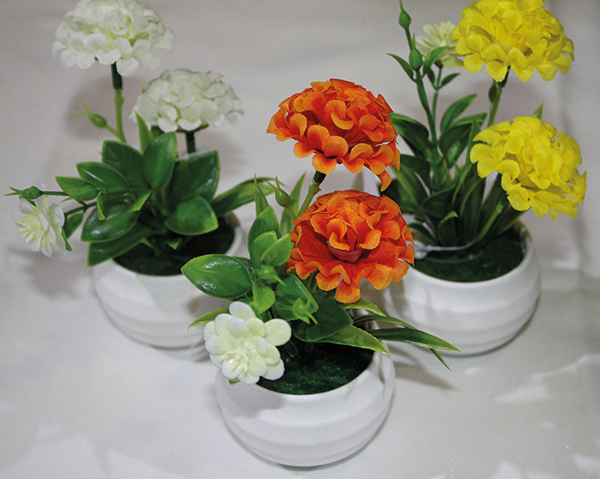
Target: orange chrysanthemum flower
348 236
340 122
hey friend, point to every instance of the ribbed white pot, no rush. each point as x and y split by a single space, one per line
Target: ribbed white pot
158 310
475 317
313 429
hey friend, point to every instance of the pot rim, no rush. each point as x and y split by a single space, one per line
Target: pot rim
527 259
326 395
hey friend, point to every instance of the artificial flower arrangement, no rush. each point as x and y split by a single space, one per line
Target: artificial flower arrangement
149 208
467 184
296 309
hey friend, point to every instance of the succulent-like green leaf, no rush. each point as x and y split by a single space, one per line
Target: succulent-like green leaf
219 275
192 217
77 188
263 296
118 221
331 319
144 132
159 160
278 253
259 245
127 160
103 177
288 292
72 222
193 177
102 251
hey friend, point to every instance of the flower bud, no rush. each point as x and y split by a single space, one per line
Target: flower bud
404 19
31 193
97 120
415 59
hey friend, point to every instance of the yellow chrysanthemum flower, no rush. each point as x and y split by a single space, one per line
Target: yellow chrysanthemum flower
440 36
537 163
520 34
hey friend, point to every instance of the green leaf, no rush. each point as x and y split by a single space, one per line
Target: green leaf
218 275
331 319
295 194
432 57
455 110
159 160
447 229
197 176
118 221
260 200
127 160
412 336
139 203
420 166
356 337
453 135
288 292
192 217
263 296
259 245
278 253
414 133
144 132
237 196
366 305
102 176
100 252
539 112
412 186
448 78
438 204
421 229
208 317
405 66
77 188
72 222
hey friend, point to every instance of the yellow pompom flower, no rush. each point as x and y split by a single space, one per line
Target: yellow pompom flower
520 34
538 165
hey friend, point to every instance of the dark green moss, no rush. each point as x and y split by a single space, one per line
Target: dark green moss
496 258
325 367
142 259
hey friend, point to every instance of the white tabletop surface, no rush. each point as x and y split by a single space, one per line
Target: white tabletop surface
80 400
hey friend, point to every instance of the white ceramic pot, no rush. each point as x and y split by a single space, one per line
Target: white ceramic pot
475 317
158 310
312 429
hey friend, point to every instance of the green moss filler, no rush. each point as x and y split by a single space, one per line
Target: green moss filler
496 258
142 259
327 367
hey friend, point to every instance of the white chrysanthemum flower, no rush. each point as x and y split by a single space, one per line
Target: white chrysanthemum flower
440 36
184 100
243 346
109 31
41 225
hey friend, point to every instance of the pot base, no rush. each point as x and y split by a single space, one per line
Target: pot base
309 430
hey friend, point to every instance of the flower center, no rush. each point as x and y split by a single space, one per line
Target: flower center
347 256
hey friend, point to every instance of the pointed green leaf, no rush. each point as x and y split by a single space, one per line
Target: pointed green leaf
77 188
144 132
412 336
239 195
139 203
366 305
331 319
218 275
263 296
127 160
208 317
289 292
405 65
438 204
278 253
100 252
72 222
358 338
102 176
118 221
193 177
455 110
432 57
159 160
192 217
259 245
448 78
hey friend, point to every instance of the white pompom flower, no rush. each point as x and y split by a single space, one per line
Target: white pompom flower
244 346
40 225
440 36
124 32
184 100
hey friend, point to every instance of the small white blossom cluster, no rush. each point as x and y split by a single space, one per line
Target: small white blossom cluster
109 31
243 346
440 36
184 100
40 225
